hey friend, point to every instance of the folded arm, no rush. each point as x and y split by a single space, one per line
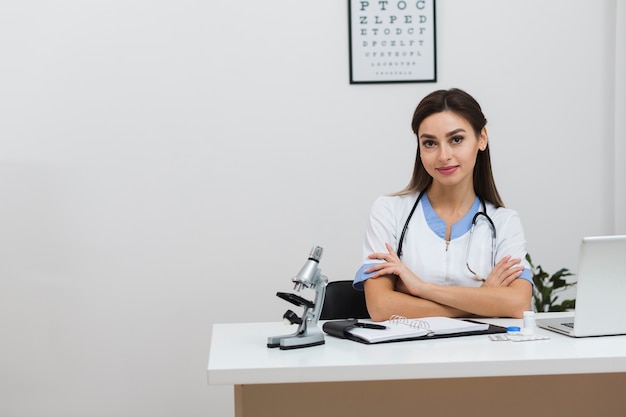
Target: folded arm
383 300
394 289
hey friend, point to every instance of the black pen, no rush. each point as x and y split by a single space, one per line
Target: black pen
370 326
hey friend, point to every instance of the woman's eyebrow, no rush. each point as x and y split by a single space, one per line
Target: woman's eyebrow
452 133
455 131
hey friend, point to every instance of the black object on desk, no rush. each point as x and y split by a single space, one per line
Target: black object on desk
341 329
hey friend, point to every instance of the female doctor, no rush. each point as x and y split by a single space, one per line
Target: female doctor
445 245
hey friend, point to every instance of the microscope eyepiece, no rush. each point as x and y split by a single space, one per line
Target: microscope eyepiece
316 253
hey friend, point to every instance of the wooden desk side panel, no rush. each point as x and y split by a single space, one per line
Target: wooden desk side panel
588 395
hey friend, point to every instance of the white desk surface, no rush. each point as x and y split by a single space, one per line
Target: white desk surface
239 355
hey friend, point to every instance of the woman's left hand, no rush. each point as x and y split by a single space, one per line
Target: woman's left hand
392 265
506 271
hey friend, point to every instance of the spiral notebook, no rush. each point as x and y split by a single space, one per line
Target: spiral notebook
400 328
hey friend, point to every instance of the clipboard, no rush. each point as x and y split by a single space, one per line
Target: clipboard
340 329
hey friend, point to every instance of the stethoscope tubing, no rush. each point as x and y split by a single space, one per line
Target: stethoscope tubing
492 226
483 213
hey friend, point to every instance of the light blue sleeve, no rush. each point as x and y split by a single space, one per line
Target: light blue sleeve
527 275
361 276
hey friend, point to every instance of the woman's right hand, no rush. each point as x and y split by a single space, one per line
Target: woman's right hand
407 281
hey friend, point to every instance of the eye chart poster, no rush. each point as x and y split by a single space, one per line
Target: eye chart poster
392 41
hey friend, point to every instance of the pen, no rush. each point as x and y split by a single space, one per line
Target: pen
371 326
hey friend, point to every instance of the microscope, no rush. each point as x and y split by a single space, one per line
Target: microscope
308 334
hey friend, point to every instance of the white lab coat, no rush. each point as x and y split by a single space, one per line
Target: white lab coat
425 250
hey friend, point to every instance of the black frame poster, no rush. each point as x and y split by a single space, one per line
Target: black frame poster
392 41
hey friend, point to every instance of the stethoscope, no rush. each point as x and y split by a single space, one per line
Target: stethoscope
478 214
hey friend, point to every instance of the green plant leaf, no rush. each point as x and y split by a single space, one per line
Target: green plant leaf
547 286
568 304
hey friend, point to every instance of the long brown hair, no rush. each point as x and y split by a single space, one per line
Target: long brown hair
463 105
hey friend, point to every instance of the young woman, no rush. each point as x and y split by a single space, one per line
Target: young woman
446 246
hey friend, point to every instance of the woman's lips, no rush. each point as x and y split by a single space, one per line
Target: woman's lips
447 170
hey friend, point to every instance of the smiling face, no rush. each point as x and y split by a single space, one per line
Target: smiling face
448 148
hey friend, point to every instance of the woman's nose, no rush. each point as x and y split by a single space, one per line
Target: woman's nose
444 153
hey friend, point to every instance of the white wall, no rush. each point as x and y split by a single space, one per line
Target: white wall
168 165
620 120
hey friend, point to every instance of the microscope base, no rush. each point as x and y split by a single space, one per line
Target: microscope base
295 341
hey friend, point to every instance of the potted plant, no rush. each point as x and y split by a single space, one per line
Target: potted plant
547 287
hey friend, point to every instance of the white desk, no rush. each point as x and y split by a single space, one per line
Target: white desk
459 376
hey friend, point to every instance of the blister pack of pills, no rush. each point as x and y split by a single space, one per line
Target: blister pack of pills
501 337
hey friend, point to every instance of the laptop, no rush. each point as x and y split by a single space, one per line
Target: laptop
601 290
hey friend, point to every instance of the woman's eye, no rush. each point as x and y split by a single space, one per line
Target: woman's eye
457 139
428 143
